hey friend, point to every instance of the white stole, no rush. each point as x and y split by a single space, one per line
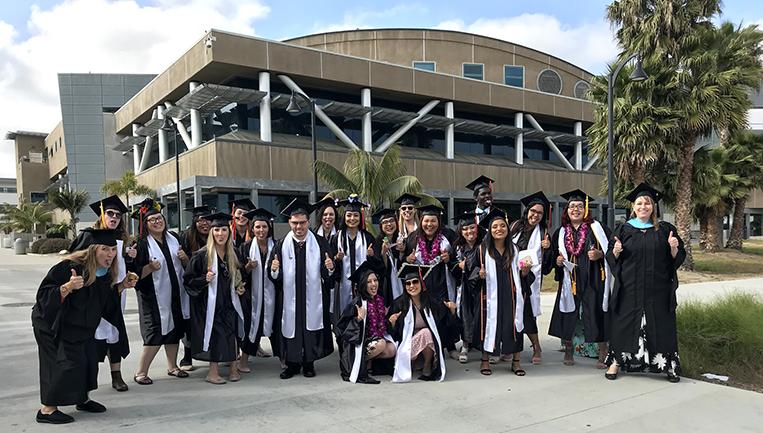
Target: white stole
107 331
359 347
162 284
261 294
321 233
212 301
314 288
491 286
444 245
403 357
567 300
345 285
601 237
395 284
534 245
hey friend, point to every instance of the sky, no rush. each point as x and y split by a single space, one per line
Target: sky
39 39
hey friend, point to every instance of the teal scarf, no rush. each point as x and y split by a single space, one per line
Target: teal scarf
635 222
101 272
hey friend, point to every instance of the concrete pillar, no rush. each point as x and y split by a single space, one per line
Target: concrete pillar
556 218
254 196
519 143
451 209
450 151
162 136
365 100
195 122
197 196
579 146
136 159
265 125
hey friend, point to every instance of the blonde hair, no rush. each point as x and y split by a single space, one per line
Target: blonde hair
86 258
231 260
653 217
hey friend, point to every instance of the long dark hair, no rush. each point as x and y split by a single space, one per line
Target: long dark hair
426 299
194 236
522 224
363 285
460 240
489 244
392 237
319 217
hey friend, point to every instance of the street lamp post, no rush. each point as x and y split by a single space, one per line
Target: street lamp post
167 127
638 74
294 108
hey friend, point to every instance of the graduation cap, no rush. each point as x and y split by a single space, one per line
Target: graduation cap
199 211
536 198
493 215
407 199
260 215
430 209
372 264
644 189
383 214
91 236
111 202
578 195
479 183
466 217
413 272
298 206
326 201
147 208
241 203
219 219
352 204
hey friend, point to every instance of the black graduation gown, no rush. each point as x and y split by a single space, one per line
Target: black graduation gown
468 278
248 347
507 339
590 292
239 239
436 282
645 284
385 281
531 324
148 307
348 246
306 346
64 333
185 242
351 332
222 341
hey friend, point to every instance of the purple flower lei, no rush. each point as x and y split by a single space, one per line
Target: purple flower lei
428 255
575 249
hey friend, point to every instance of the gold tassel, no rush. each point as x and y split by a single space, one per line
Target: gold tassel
574 278
103 216
586 207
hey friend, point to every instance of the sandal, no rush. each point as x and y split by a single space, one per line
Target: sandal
569 358
142 379
216 381
536 356
463 357
485 368
518 370
176 372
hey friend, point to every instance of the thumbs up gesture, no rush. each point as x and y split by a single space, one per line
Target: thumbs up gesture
594 254
250 264
672 241
393 318
75 281
154 265
370 251
328 263
618 247
546 242
131 251
275 265
483 274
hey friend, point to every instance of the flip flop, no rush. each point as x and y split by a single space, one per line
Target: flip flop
142 379
177 373
485 371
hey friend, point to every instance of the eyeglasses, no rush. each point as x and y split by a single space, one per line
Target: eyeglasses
535 212
388 222
298 223
113 214
406 208
155 220
577 206
411 283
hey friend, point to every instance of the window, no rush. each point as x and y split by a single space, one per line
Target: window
36 197
425 66
549 81
474 70
514 75
581 89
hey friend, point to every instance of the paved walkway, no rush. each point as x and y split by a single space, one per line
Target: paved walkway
551 398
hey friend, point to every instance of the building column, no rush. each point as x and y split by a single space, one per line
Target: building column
451 208
181 206
195 121
266 134
519 142
162 135
136 159
365 100
579 146
254 196
556 218
450 151
197 201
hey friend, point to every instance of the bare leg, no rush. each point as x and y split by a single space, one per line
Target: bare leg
568 358
243 363
146 357
536 359
428 354
213 375
171 350
47 410
603 348
389 351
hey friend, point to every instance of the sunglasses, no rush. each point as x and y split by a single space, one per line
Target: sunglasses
406 208
155 220
113 214
411 283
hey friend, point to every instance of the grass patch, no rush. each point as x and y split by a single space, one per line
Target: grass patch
728 262
723 337
753 247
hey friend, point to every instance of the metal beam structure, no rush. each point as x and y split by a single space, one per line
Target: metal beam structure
365 100
590 163
177 116
549 142
407 126
266 134
449 136
195 120
162 135
579 146
519 142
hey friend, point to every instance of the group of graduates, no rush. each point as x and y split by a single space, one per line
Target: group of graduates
395 304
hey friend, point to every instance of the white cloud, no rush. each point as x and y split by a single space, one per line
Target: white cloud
363 19
589 45
99 36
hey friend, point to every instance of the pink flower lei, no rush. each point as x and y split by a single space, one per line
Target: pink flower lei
568 239
427 256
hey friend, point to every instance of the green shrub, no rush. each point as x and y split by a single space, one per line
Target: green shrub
36 245
54 245
723 337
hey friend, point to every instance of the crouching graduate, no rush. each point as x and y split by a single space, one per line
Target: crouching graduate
303 272
71 300
213 281
416 322
362 328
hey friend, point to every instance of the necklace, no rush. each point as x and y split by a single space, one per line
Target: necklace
427 255
568 239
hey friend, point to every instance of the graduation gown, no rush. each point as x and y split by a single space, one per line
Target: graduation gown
645 286
225 323
185 242
148 306
64 332
468 279
344 292
306 345
531 323
392 262
247 346
590 291
437 280
353 333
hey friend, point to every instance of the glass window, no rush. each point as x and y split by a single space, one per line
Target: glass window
425 66
36 197
474 70
514 75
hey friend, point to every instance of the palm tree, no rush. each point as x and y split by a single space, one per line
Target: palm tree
25 217
746 150
71 201
126 186
379 181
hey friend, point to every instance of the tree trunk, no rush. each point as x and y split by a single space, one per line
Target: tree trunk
703 219
684 198
712 242
738 223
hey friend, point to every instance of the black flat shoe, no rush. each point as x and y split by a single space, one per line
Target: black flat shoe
91 406
56 417
308 372
610 376
117 382
287 373
426 377
673 378
369 381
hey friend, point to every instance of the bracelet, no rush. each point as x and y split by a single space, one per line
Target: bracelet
64 290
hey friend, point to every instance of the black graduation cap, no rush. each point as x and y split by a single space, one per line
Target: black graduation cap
479 183
407 199
536 198
352 203
385 213
260 215
326 201
494 214
198 211
469 217
577 195
372 264
642 190
147 208
91 236
111 202
430 209
298 206
413 272
219 219
242 203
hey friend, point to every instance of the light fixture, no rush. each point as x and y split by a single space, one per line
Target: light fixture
638 73
293 107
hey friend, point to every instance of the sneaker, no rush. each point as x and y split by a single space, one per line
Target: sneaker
91 406
56 417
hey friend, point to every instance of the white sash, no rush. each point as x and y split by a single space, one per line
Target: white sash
320 231
403 356
314 292
107 331
601 237
359 348
449 281
534 245
567 300
395 284
162 284
345 285
261 294
491 286
209 320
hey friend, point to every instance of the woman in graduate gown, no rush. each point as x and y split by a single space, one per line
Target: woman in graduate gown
584 277
71 300
466 275
241 227
644 254
213 281
163 305
362 328
390 252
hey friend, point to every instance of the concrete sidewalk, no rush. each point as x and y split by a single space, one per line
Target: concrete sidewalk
551 398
